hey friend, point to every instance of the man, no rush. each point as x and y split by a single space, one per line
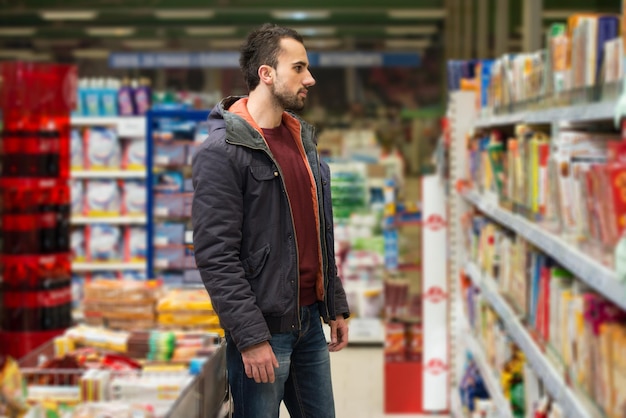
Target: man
263 236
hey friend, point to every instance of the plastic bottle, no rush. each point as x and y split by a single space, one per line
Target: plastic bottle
125 99
143 96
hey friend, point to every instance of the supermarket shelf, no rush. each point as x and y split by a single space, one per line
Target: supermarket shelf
599 277
456 407
115 174
87 267
126 126
111 220
490 378
579 113
553 382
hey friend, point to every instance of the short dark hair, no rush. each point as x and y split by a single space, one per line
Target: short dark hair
261 48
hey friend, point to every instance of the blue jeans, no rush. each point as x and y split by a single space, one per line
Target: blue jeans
303 378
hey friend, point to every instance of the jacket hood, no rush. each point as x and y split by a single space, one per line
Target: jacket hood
222 112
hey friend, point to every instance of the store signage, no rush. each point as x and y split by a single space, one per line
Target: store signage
230 59
435 293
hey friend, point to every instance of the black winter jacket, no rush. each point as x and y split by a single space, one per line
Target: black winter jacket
244 237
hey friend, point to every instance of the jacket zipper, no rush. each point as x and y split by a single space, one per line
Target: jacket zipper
295 238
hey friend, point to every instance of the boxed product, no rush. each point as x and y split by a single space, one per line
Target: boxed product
103 198
170 154
77 194
169 233
104 242
135 244
76 150
134 157
103 149
133 197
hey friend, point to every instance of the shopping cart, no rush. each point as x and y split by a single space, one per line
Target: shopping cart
205 396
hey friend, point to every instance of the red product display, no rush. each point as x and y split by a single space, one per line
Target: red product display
35 293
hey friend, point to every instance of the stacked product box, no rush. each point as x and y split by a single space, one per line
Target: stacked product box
36 286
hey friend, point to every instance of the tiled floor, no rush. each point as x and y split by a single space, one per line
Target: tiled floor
358 384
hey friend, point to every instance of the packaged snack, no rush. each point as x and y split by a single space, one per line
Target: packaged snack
12 399
103 149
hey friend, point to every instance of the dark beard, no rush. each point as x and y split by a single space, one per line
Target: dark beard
287 101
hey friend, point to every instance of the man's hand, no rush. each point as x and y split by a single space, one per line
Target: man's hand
338 334
259 362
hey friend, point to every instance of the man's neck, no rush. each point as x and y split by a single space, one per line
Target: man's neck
263 110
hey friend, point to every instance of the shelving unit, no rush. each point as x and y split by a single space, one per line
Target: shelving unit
129 128
126 126
578 113
154 213
113 174
553 382
594 273
600 277
113 266
110 220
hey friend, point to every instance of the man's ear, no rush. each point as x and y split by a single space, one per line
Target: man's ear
266 74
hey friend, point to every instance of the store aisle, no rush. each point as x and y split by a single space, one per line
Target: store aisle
358 380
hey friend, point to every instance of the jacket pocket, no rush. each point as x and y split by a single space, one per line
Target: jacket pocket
264 172
253 265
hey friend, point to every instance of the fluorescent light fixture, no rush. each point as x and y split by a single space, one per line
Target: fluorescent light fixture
144 43
24 54
91 53
407 43
184 14
112 31
17 31
556 14
323 43
43 43
416 13
226 43
300 14
316 31
68 14
411 30
210 30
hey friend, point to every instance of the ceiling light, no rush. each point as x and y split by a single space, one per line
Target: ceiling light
210 30
225 43
316 31
91 53
416 13
144 43
17 31
300 14
113 31
410 30
560 14
24 54
407 43
323 43
68 14
42 43
184 14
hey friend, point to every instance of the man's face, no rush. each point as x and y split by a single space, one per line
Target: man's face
293 77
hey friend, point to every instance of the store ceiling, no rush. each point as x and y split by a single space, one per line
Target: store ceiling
95 27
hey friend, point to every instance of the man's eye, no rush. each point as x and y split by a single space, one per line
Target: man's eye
298 68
